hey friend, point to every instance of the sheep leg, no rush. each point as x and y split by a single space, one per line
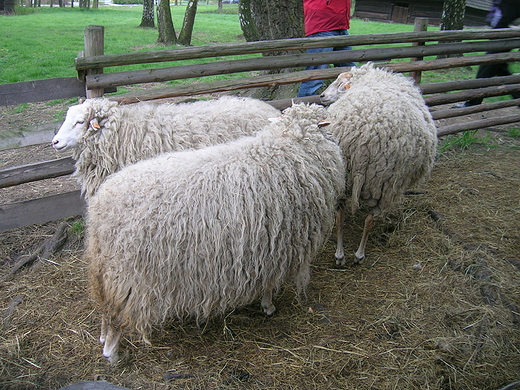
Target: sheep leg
340 253
104 330
360 254
267 302
113 335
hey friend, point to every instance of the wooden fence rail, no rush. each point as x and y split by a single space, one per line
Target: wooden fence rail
222 50
290 61
92 81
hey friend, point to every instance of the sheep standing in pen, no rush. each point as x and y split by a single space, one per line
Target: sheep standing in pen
388 139
193 234
106 137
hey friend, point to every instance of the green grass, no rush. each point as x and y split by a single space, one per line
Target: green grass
43 42
462 141
514 133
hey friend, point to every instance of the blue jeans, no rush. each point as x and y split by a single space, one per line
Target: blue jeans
309 88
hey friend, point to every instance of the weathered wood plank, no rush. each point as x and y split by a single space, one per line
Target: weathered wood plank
37 171
43 90
468 84
479 124
16 137
290 61
284 45
94 38
305 75
454 112
445 98
51 208
40 90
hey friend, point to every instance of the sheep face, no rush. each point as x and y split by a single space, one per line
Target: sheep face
78 118
336 89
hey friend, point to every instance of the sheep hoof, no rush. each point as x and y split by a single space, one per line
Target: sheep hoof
358 259
340 256
269 309
112 359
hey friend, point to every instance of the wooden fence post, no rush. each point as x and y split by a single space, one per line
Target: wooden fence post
420 24
94 37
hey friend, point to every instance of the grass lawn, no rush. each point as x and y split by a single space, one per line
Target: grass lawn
42 43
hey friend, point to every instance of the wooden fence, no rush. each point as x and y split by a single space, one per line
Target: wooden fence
92 81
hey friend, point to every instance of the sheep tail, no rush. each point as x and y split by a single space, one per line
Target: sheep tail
357 184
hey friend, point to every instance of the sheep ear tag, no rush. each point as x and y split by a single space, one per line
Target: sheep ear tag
95 124
346 86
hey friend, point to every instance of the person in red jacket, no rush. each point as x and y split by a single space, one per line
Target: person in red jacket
324 18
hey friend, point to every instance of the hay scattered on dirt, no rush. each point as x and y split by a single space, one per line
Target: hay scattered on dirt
434 306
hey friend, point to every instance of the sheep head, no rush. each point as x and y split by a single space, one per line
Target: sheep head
302 119
80 120
337 88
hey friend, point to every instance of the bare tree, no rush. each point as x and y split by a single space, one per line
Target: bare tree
272 20
278 19
167 34
187 25
247 23
148 18
453 12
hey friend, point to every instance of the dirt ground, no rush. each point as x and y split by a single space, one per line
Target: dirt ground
435 305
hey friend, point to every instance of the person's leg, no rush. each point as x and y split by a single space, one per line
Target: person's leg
309 88
338 48
487 71
510 11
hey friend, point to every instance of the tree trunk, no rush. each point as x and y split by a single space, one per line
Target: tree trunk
148 18
453 12
274 20
247 23
219 6
187 25
278 19
167 34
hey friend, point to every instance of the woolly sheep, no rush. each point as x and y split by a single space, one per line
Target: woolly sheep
106 137
193 234
388 139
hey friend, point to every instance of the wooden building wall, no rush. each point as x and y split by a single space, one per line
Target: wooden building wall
6 7
407 10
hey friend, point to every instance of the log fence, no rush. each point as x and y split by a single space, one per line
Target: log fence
418 46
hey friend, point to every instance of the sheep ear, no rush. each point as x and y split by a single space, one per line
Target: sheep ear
323 123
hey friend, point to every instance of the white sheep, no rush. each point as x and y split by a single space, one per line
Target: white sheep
194 234
388 139
106 137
